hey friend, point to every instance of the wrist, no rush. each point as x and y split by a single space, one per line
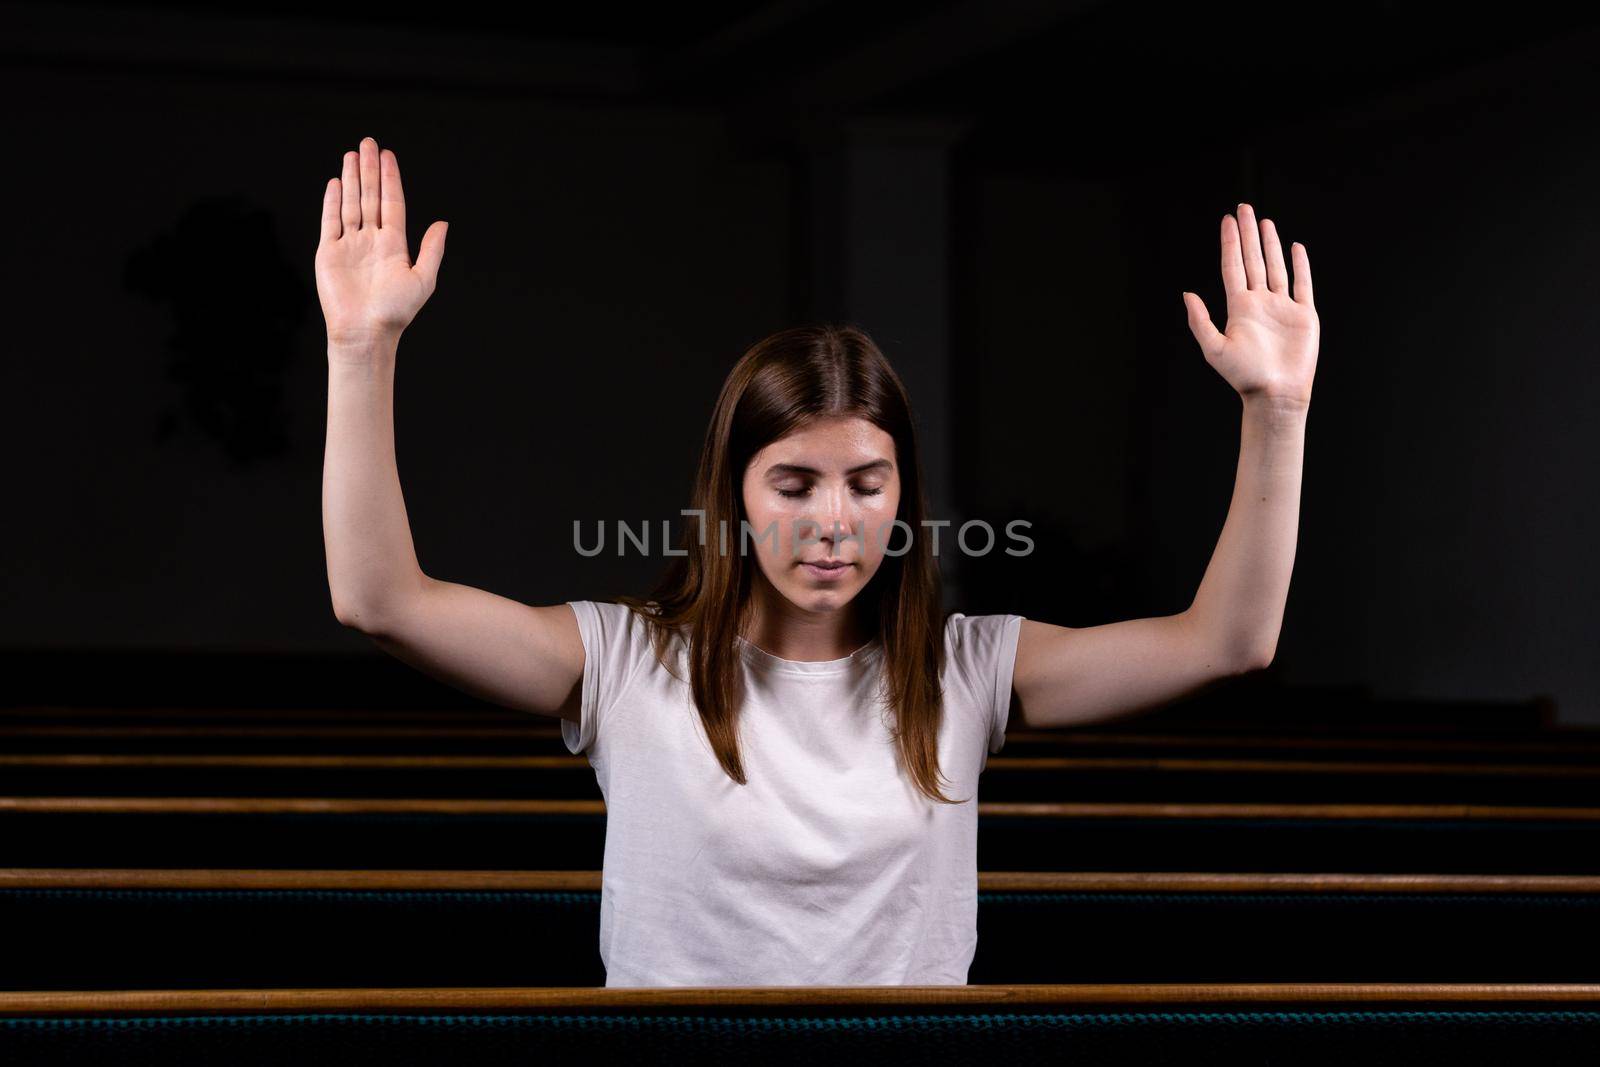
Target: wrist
361 346
1278 408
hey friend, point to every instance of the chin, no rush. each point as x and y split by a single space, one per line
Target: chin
821 599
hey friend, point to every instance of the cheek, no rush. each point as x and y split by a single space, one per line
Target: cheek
881 516
761 541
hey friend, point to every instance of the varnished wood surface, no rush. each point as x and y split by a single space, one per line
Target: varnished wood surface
988 881
195 723
566 999
315 733
69 712
1004 764
295 805
298 762
992 809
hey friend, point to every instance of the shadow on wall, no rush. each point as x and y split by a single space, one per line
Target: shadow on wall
237 304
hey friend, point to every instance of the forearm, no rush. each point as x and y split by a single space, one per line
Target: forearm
371 557
1240 602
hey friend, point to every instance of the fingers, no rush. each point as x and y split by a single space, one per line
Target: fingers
1205 331
331 226
1233 276
1302 274
392 207
350 201
1272 250
369 183
430 253
1255 268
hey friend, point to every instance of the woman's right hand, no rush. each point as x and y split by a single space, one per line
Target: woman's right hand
369 289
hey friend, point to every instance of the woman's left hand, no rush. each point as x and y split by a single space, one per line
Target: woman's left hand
1269 351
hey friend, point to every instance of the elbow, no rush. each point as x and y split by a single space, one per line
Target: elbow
376 611
355 615
345 615
1243 657
1258 663
1256 658
1230 653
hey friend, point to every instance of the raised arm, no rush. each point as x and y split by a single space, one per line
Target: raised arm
1066 676
514 654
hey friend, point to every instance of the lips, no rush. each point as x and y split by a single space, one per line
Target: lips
829 564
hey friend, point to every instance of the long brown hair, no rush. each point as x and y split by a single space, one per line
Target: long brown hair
781 383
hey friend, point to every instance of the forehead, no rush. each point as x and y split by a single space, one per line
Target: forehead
827 442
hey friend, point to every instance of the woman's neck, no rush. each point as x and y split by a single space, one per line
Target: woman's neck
777 626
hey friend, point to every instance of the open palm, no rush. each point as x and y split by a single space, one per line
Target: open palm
366 281
1269 349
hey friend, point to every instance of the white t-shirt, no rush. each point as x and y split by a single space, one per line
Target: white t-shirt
828 867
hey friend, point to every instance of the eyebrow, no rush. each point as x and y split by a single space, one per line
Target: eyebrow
796 468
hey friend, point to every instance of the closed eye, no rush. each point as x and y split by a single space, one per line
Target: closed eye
802 492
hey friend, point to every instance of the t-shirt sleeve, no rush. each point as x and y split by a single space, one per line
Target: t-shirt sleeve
615 642
981 656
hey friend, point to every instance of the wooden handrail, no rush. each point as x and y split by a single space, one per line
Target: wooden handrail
988 809
1274 882
82 711
320 733
569 998
1060 764
297 762
1296 767
1582 745
250 878
1110 810
353 723
1588 742
205 879
116 805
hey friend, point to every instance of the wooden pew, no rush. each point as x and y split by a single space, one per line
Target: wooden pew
466 731
1084 1024
1005 778
291 730
176 928
371 833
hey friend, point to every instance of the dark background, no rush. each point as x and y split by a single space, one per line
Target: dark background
1008 196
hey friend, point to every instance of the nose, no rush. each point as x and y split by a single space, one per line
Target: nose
834 515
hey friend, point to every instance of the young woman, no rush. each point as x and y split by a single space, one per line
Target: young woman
788 732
